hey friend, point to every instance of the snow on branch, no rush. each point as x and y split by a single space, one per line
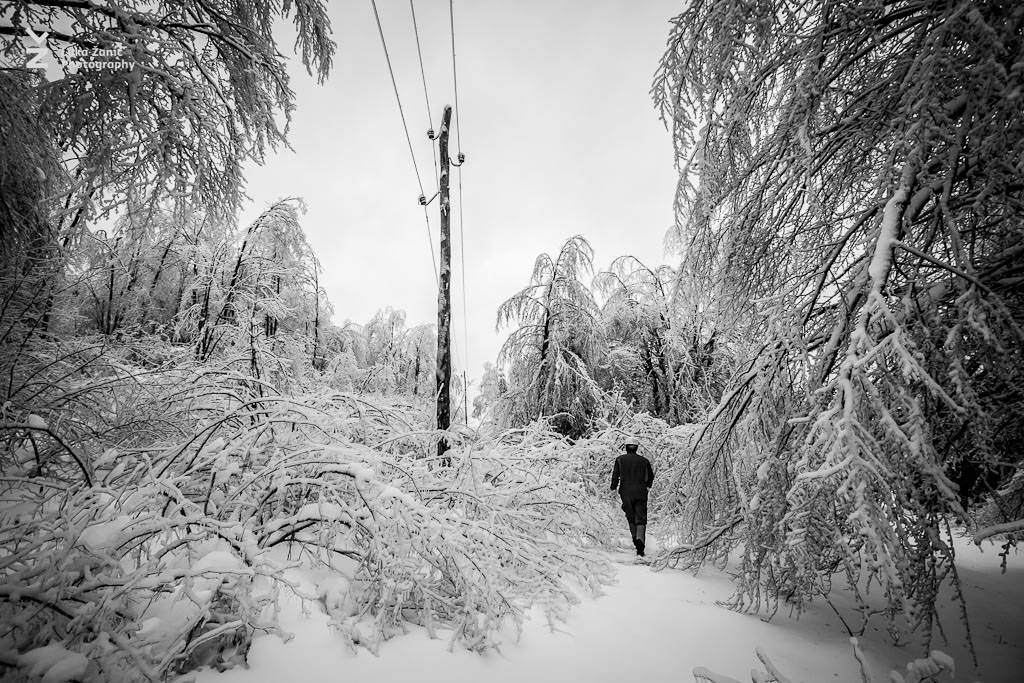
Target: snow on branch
208 488
854 211
998 530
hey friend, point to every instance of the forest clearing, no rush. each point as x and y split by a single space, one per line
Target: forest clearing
279 398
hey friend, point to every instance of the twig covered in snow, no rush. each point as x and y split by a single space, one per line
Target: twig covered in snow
202 483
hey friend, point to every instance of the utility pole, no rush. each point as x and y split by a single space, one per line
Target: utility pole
444 295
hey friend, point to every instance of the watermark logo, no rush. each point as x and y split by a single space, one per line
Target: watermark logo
38 51
75 59
97 58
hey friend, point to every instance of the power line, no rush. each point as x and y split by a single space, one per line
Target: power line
430 240
455 76
462 279
405 127
419 53
398 99
423 77
462 283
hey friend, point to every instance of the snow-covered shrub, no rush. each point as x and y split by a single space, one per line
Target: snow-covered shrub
589 460
149 516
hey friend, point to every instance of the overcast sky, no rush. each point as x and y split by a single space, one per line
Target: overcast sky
557 126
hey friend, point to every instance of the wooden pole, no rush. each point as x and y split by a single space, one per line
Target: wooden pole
444 294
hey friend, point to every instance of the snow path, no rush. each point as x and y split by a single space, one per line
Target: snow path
650 626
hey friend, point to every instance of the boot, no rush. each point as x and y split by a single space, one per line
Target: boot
641 534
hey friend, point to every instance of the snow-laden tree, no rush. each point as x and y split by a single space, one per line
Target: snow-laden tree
661 356
257 283
132 276
397 359
419 348
850 191
139 102
492 388
636 318
548 357
186 92
30 172
382 357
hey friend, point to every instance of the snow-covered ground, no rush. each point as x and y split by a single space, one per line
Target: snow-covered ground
656 626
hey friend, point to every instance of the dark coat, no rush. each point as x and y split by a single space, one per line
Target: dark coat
632 475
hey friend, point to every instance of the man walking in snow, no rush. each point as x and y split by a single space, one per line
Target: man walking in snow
632 475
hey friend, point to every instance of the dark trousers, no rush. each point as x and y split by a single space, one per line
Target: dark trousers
636 512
